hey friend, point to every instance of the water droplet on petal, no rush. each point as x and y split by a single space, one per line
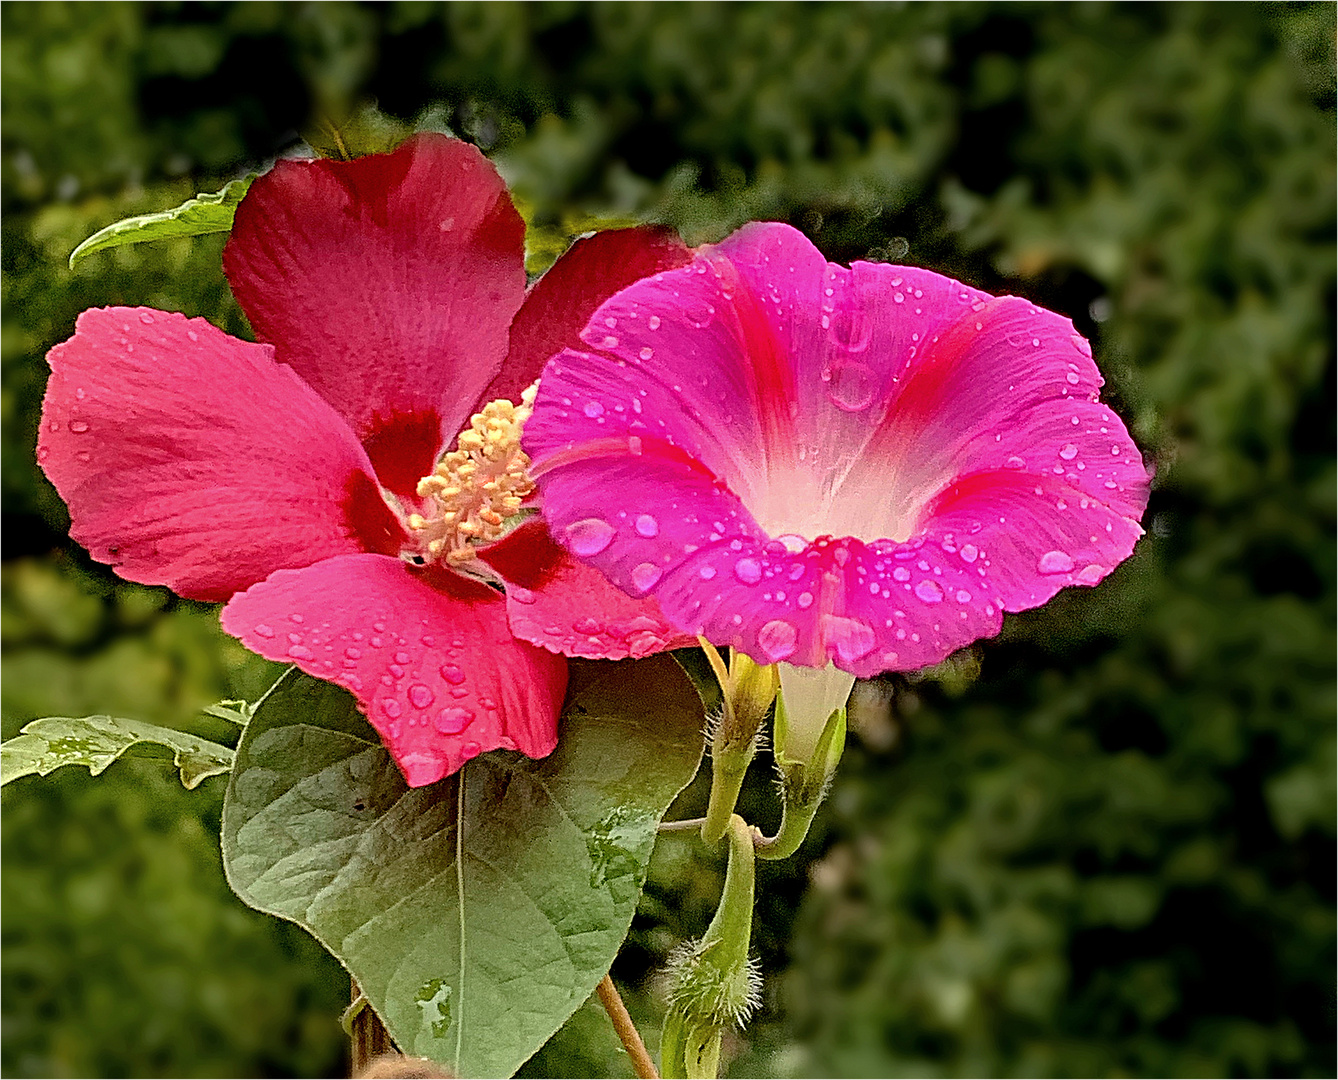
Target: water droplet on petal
146 318
1068 452
901 574
391 707
452 674
777 639
78 427
588 626
850 327
852 386
1015 462
646 352
647 526
1091 574
748 571
453 720
804 600
264 630
969 553
421 696
1055 562
931 592
852 638
653 322
589 536
593 409
353 652
645 575
520 594
707 572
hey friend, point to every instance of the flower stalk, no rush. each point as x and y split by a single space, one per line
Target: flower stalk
748 689
714 983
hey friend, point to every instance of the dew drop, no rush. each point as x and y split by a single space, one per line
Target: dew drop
353 652
931 592
969 553
901 574
963 597
453 720
452 674
1015 462
1055 562
1091 574
852 387
520 594
593 409
804 600
647 526
78 427
1072 378
421 696
589 536
645 575
748 571
146 318
706 573
653 322
470 751
850 328
588 626
778 640
1068 452
646 352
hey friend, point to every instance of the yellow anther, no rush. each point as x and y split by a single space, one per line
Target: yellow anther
476 487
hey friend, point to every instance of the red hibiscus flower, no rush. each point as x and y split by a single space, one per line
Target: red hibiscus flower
303 480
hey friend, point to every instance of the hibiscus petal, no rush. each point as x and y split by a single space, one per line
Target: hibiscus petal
568 607
389 284
561 302
427 654
193 460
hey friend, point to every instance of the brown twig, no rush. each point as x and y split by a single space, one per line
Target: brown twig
370 1039
642 1064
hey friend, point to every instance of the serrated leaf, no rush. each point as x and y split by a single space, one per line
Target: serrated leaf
96 741
476 914
208 213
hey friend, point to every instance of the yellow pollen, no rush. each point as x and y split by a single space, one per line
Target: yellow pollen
476 487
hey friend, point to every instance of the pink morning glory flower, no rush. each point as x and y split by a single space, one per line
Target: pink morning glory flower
303 479
813 464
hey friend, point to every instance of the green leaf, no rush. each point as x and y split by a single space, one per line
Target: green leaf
96 741
478 913
210 213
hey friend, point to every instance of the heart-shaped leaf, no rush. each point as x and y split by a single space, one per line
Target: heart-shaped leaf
478 913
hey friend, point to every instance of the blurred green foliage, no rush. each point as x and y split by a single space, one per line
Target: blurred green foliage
1110 852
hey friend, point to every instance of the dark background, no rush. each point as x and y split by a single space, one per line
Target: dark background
1099 845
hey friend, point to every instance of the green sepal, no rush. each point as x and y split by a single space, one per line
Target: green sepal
803 784
208 213
96 741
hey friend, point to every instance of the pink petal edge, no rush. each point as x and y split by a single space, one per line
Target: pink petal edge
560 603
